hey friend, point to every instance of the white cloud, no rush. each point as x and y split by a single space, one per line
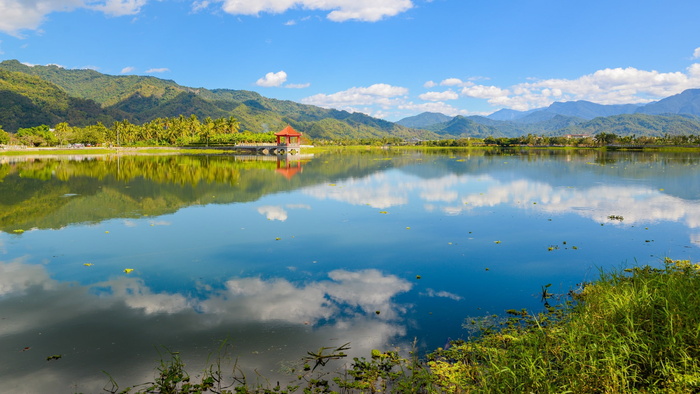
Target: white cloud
340 10
19 15
119 7
157 70
378 94
17 277
608 86
452 82
429 85
696 53
273 212
254 299
439 96
272 79
480 91
127 70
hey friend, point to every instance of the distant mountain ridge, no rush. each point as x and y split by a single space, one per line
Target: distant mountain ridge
677 114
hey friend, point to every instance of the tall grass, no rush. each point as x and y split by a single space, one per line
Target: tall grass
632 331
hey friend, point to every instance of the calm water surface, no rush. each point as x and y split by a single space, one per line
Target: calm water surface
279 258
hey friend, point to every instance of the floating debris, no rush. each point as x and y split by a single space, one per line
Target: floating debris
128 270
18 231
88 264
54 357
616 217
417 276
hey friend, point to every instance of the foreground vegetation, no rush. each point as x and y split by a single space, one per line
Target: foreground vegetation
636 330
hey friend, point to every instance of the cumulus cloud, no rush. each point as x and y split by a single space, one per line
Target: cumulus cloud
278 299
696 53
608 86
272 79
487 92
273 212
452 82
340 10
20 15
119 7
439 96
380 94
127 70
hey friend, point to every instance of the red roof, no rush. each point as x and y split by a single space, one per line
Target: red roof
289 131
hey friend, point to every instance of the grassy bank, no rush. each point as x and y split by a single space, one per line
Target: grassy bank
637 330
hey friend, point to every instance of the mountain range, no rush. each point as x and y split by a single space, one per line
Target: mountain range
675 115
36 95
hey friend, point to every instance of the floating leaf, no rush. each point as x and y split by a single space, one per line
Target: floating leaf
88 264
277 238
18 231
384 212
106 232
377 312
417 276
408 228
54 357
128 270
497 242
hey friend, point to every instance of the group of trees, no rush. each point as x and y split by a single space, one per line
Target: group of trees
179 131
598 140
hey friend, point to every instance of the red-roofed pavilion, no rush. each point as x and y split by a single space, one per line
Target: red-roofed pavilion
289 134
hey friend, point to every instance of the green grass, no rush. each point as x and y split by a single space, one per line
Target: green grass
633 331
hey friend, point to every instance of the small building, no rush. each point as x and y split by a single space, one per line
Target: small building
291 137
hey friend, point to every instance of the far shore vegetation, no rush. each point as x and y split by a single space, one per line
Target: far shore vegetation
631 331
190 131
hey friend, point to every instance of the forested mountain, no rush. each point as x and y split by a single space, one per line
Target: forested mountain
35 95
687 102
424 119
681 116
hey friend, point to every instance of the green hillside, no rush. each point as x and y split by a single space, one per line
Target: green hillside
80 96
639 125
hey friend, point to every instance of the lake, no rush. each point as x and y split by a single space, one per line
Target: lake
111 261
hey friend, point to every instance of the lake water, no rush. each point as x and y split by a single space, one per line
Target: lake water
107 260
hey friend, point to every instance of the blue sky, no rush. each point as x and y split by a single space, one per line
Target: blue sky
386 58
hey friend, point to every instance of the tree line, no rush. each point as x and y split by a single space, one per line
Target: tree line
177 131
598 140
